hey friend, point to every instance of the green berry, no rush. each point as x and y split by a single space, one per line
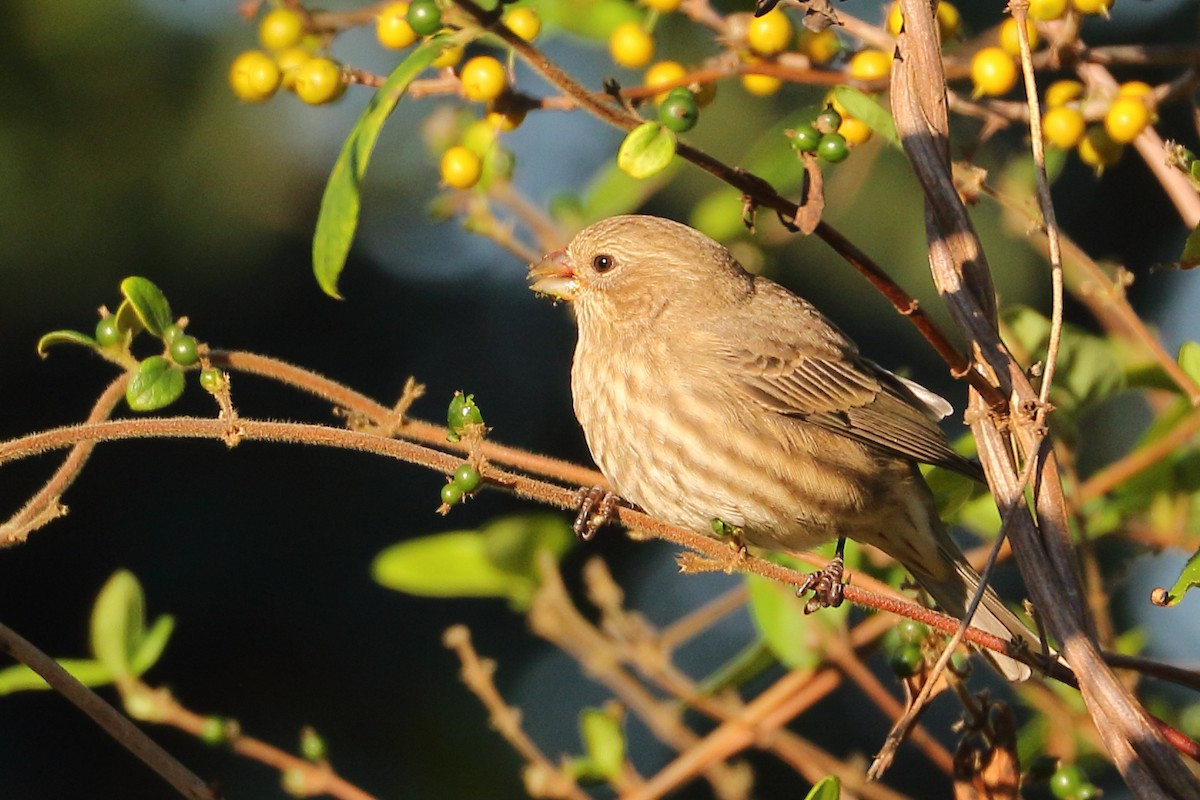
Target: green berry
1088 792
451 494
214 732
424 17
183 350
171 333
108 332
678 111
312 746
806 138
833 148
1066 781
212 380
828 121
907 660
467 478
911 631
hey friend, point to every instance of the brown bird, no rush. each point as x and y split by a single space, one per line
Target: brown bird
707 393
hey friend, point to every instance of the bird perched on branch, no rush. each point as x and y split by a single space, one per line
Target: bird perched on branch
707 393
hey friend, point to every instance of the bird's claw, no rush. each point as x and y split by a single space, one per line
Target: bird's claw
826 586
597 506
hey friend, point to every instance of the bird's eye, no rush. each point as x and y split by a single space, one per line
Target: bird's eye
603 263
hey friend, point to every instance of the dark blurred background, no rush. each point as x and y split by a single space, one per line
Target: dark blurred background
122 151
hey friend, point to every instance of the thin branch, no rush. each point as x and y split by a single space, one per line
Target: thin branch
108 718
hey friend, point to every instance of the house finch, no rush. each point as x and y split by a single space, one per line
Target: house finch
707 393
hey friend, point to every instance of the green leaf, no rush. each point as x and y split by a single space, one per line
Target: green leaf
20 678
149 303
1189 577
338 217
453 564
719 214
156 383
118 623
647 150
828 788
793 636
864 107
603 743
128 320
64 337
150 648
1189 359
754 659
512 543
1191 249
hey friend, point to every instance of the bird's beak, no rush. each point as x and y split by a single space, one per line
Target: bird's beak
553 276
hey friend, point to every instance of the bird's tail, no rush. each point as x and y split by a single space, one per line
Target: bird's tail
953 590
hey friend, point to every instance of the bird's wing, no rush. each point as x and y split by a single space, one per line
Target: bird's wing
806 368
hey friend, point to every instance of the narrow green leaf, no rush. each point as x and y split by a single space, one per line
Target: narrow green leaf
118 623
603 742
147 651
793 636
754 659
647 150
157 383
828 788
64 337
20 678
338 218
1189 578
149 303
454 564
864 107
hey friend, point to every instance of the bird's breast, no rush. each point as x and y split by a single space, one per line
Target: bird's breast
674 436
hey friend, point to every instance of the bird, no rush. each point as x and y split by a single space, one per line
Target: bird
706 393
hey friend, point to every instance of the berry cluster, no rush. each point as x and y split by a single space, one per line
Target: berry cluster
830 135
288 60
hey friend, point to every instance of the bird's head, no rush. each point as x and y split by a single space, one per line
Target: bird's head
631 267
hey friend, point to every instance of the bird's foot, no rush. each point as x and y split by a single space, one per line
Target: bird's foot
597 506
826 586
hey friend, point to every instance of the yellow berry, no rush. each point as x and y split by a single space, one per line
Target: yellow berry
1063 127
449 57
524 22
280 29
1126 118
461 167
1092 6
948 19
761 85
993 71
662 74
854 130
289 61
1062 92
631 46
1136 89
870 65
1045 10
770 34
662 6
821 48
1098 150
1009 39
319 81
895 19
392 28
254 76
483 78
